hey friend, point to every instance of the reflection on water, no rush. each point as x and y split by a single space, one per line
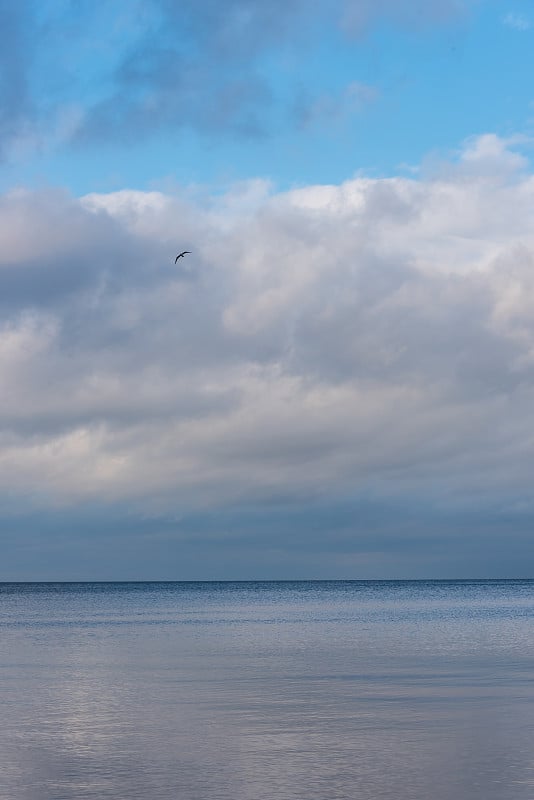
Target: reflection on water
249 691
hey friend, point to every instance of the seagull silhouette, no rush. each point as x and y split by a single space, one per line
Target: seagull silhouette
181 255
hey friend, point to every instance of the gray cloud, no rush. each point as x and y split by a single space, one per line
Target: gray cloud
15 101
333 109
366 537
359 15
199 65
79 73
374 334
196 67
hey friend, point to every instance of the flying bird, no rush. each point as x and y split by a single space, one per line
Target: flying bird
181 255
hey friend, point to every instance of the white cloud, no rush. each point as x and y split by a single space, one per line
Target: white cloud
517 21
375 334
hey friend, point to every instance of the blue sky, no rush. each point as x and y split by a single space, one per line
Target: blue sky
286 94
338 381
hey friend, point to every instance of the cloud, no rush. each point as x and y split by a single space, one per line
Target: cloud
360 15
517 21
76 72
200 66
331 341
85 74
193 67
333 108
15 99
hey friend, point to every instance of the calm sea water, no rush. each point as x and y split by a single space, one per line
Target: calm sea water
249 691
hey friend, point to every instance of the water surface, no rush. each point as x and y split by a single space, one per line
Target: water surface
249 691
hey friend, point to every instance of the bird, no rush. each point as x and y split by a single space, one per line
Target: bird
181 255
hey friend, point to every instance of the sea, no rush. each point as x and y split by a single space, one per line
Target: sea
334 690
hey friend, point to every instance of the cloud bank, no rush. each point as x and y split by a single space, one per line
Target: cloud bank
375 337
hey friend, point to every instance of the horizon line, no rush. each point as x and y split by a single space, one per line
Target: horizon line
262 580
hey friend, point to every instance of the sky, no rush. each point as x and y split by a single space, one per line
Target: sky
338 380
